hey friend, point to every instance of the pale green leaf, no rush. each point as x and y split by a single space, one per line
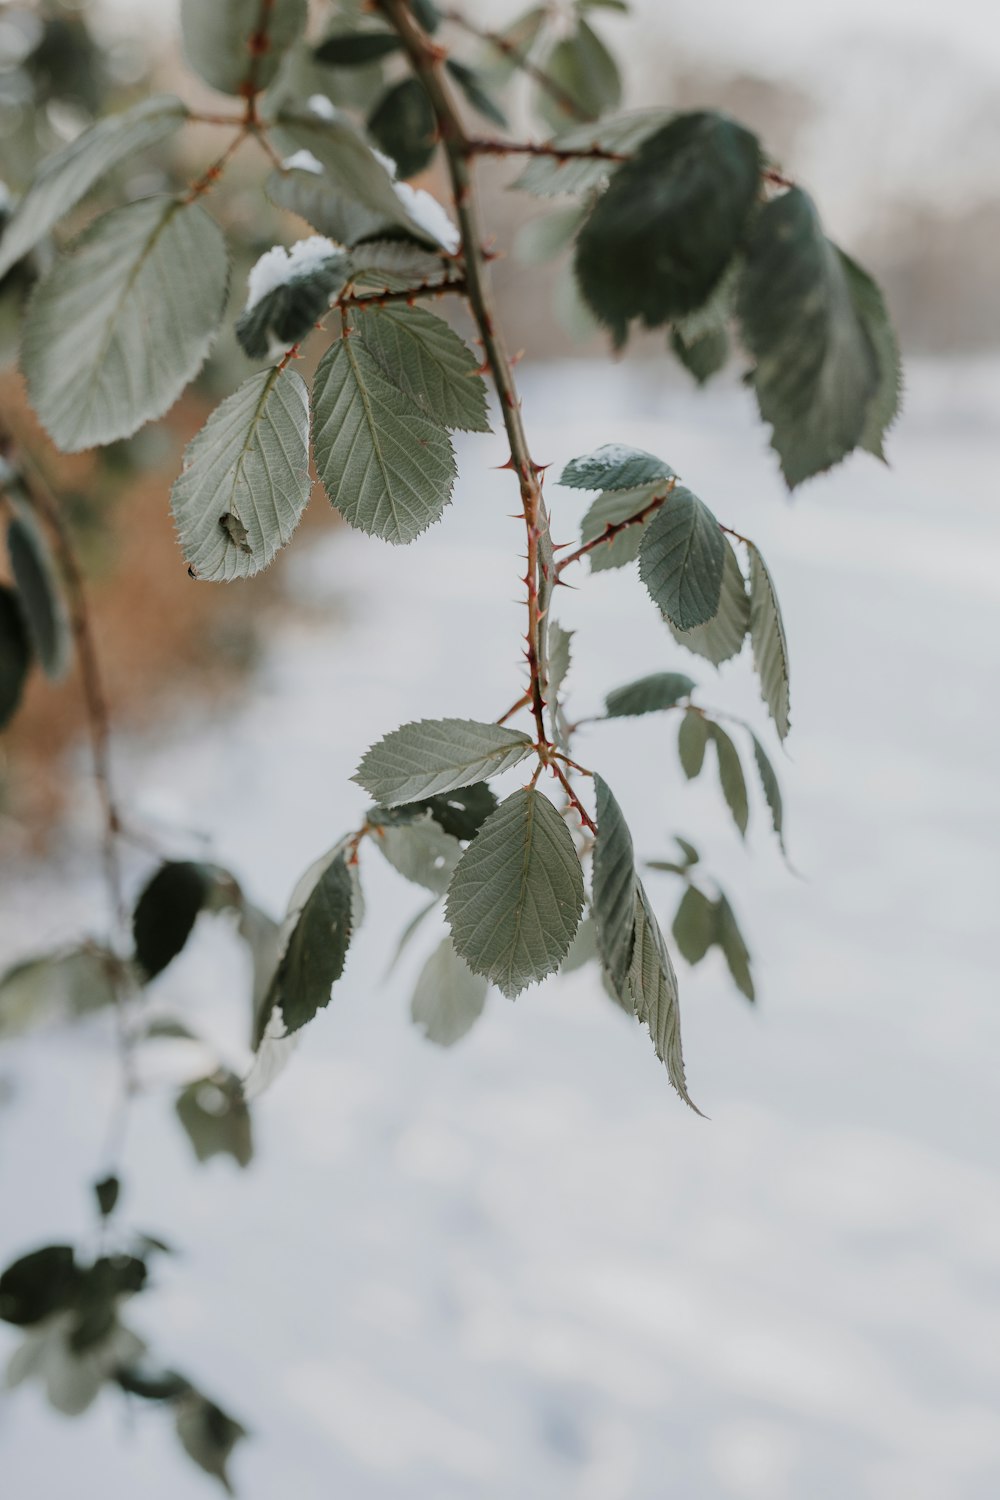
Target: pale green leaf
436 755
731 778
245 480
57 987
40 593
692 740
215 1118
123 322
695 925
731 942
610 509
653 984
721 637
417 351
870 307
615 466
647 695
771 789
767 637
68 175
547 236
386 467
219 40
583 949
681 560
207 1434
421 851
515 899
319 927
548 176
560 642
585 70
614 886
448 999
473 85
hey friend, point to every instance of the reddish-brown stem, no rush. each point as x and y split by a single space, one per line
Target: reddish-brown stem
615 528
211 175
482 146
575 802
522 702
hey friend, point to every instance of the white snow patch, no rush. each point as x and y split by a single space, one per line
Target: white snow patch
322 106
279 266
429 215
303 161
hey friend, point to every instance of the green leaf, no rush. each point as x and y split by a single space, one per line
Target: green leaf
615 466
721 637
560 642
695 925
681 560
419 353
771 789
57 987
692 739
386 467
610 509
585 70
473 84
461 811
817 374
284 315
653 984
767 637
427 14
432 756
221 40
550 176
320 923
404 126
421 851
730 940
660 238
214 1114
614 883
107 1193
648 694
207 1434
396 266
543 238
689 852
356 49
449 998
870 307
39 593
704 356
38 1284
513 45
66 177
731 778
245 480
150 276
165 913
15 653
583 949
515 899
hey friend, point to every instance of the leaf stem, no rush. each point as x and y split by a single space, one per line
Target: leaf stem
488 146
614 528
521 60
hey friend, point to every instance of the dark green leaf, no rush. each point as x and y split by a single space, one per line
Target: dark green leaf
449 998
695 924
681 560
721 637
610 509
662 235
690 853
165 913
101 1289
703 357
649 694
419 353
731 778
207 1434
286 313
107 1192
40 593
38 1284
614 885
151 1384
214 1114
356 49
15 654
767 637
323 917
731 941
771 789
473 85
462 811
404 126
692 738
615 466
653 985
586 72
427 14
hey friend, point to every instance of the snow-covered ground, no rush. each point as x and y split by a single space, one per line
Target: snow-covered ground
522 1268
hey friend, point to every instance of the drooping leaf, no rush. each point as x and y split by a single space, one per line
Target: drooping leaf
38 1284
615 466
249 464
583 949
356 49
419 353
165 913
102 1287
731 778
386 467
695 925
285 314
767 637
681 560
817 375
660 690
150 276
692 740
704 356
57 987
731 942
319 928
515 900
215 1117
674 216
433 756
721 637
550 176
237 45
586 72
449 998
39 592
560 642
461 811
66 177
690 853
474 86
653 984
421 851
404 126
614 883
870 307
771 789
208 1436
611 509
107 1193
15 653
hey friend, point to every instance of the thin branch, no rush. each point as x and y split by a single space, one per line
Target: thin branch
575 802
615 528
483 146
211 175
522 61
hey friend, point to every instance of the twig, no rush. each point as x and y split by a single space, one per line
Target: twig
482 146
614 528
521 60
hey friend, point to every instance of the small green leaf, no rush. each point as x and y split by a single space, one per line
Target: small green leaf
57 987
419 353
817 374
550 176
150 276
40 593
513 45
653 985
721 637
731 778
107 1192
474 86
432 756
207 1435
614 884
461 811
767 637
692 739
356 49
214 1114
386 467
404 126
66 177
615 466
870 307
245 480
38 1284
515 899
689 852
560 642
584 70
165 913
449 998
681 560
421 851
704 356
674 216
237 45
15 653
660 690
610 509
731 942
695 925
771 789
320 924
285 314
